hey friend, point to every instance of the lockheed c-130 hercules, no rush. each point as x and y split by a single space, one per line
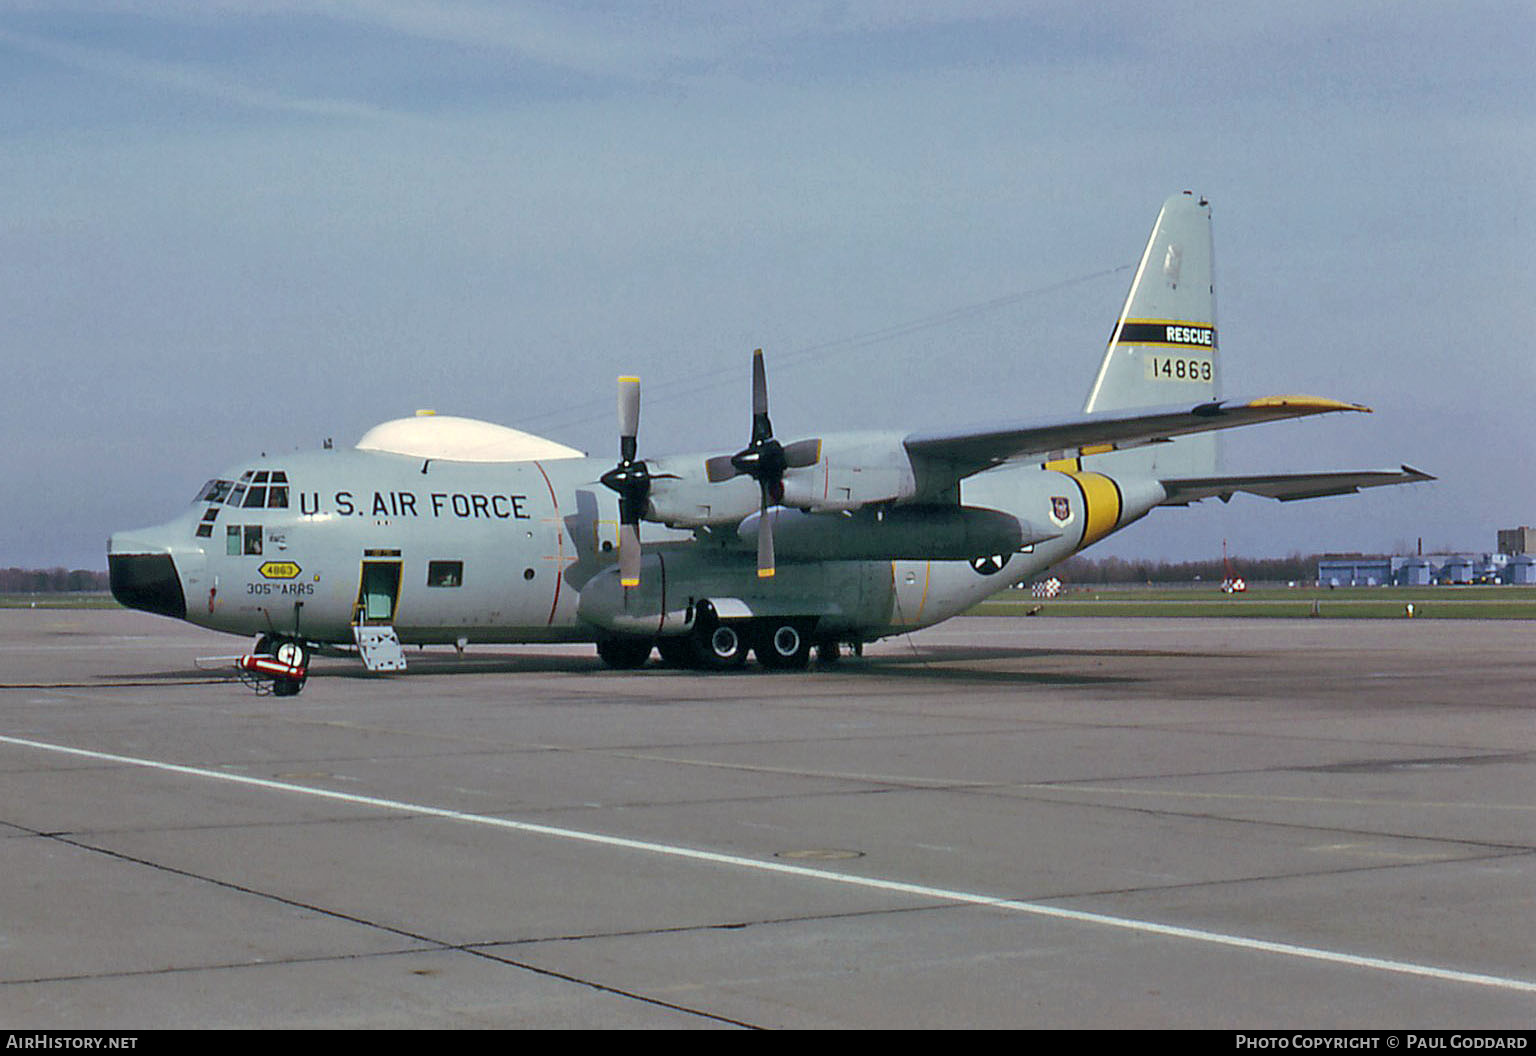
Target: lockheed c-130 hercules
441 530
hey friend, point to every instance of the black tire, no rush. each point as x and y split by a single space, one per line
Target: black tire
287 687
624 654
721 646
783 645
677 651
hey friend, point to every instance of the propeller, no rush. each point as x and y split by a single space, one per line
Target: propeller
764 459
631 479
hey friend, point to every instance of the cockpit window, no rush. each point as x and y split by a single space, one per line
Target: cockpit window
258 489
214 491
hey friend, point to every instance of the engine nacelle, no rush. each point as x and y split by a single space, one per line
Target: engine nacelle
856 470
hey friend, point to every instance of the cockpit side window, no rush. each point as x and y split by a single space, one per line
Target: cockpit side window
214 491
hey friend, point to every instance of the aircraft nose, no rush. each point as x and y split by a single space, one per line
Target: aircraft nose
144 577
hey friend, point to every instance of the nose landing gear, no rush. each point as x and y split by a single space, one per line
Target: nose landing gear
279 666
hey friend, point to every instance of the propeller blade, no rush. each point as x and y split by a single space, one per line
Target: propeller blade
629 416
629 555
765 521
761 427
719 469
802 453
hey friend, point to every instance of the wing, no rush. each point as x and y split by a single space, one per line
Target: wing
962 453
1286 486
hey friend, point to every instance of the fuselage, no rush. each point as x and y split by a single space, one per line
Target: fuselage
310 545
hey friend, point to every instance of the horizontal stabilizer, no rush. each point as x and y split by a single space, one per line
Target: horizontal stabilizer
1286 487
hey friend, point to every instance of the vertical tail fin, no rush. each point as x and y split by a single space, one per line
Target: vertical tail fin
1163 349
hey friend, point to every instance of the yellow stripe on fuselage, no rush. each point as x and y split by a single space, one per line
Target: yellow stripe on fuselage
1101 506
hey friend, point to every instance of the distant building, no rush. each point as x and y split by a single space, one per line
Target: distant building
1514 562
1520 540
1359 570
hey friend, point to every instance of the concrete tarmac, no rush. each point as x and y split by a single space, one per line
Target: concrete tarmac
1287 824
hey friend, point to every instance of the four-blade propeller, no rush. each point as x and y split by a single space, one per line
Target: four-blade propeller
765 460
632 480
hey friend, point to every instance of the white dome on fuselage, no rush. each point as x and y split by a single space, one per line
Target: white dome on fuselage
461 440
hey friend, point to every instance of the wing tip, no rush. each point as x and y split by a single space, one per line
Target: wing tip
1308 404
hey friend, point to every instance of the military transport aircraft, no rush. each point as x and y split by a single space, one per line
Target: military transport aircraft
442 530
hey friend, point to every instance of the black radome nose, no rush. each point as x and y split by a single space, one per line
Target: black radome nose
148 582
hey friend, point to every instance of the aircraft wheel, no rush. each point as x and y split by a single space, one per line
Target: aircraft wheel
290 651
722 647
624 654
783 644
677 651
828 651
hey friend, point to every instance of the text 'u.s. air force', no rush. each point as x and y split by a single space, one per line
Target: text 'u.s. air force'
436 504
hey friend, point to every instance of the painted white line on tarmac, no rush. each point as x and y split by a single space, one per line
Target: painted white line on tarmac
941 894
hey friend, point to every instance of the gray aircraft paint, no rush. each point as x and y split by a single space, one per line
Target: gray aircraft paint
525 551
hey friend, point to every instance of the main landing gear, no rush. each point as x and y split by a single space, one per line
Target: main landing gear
713 644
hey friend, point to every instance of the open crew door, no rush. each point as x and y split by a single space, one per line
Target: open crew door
373 616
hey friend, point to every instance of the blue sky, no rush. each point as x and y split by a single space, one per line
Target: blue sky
234 227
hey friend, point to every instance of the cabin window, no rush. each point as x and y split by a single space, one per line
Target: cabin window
232 540
445 573
256 498
253 540
277 497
